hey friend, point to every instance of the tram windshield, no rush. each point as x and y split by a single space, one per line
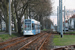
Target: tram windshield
27 26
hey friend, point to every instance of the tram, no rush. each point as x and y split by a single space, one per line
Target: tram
31 27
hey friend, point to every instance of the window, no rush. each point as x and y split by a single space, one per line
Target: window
33 26
27 26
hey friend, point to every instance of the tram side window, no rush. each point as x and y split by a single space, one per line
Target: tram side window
33 26
36 26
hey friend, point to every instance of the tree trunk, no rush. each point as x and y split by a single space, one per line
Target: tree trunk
14 18
15 24
7 19
0 24
7 28
7 23
41 22
19 25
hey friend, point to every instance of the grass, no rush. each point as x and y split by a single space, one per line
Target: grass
2 31
4 37
66 40
44 29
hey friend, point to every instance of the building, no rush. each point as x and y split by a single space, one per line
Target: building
71 22
66 25
3 25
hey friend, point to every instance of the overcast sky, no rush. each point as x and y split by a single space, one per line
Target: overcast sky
69 4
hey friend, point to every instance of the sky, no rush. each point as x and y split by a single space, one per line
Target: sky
69 4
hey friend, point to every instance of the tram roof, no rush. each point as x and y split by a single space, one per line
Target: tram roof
33 20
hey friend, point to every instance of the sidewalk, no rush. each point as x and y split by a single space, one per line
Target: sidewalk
6 32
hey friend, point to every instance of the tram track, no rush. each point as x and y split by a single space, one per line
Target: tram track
12 43
18 44
36 44
3 43
42 45
16 47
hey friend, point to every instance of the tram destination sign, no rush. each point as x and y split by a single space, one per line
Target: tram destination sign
27 21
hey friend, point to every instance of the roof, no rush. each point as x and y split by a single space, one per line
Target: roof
73 16
34 21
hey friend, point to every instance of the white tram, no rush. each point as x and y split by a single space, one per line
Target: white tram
31 27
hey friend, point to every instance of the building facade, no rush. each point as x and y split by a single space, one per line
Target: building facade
71 22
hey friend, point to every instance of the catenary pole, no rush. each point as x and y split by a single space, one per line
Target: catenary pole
60 15
64 19
58 18
10 17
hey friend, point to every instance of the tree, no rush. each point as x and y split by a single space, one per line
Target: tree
39 9
42 8
14 17
19 11
47 23
4 9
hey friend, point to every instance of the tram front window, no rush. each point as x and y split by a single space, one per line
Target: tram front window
27 26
